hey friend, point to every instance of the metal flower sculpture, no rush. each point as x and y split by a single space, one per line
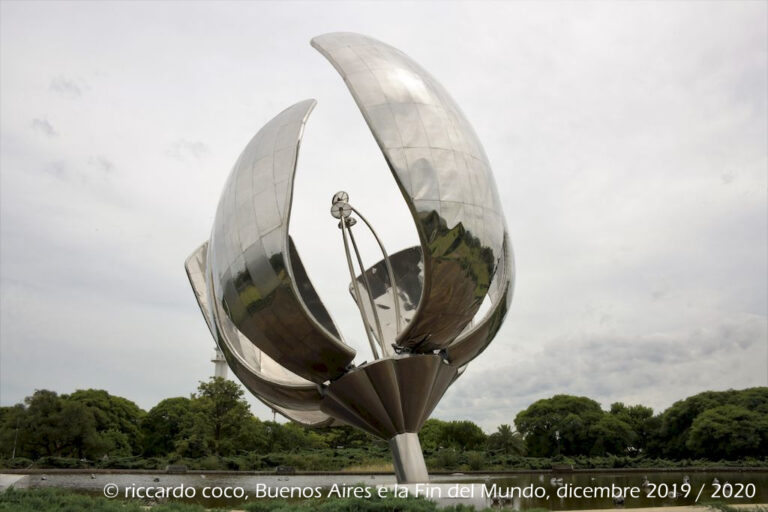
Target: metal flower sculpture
419 306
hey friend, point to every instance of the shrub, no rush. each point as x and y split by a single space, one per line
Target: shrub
446 458
475 460
17 463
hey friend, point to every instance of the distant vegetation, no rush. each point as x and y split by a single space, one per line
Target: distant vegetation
214 429
714 425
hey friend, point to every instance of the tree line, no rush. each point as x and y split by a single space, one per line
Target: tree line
712 425
216 421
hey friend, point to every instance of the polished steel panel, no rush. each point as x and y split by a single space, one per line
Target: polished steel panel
389 396
444 175
312 419
196 265
406 266
472 342
257 276
258 373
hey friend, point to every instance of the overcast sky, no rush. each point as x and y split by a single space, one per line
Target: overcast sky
628 141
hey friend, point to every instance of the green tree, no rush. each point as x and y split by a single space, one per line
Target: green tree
559 425
118 420
162 427
255 436
431 434
347 437
728 432
676 422
54 425
220 413
11 422
291 437
506 441
610 435
641 420
460 435
464 435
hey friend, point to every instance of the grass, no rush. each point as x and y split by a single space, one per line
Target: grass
44 500
60 500
724 507
381 467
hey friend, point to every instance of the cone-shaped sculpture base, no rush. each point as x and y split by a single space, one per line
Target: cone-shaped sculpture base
410 467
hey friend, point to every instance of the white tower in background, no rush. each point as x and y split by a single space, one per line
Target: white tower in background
220 364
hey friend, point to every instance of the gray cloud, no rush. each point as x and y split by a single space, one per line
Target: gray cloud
613 132
617 368
58 169
44 126
182 149
101 162
66 87
728 177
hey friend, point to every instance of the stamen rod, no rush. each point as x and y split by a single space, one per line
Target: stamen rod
356 289
367 285
389 268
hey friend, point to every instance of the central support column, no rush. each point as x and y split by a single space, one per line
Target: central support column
408 458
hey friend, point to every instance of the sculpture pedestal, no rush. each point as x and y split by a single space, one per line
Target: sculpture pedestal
408 459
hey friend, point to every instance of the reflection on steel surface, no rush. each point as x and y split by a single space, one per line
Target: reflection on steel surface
419 306
443 173
406 266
